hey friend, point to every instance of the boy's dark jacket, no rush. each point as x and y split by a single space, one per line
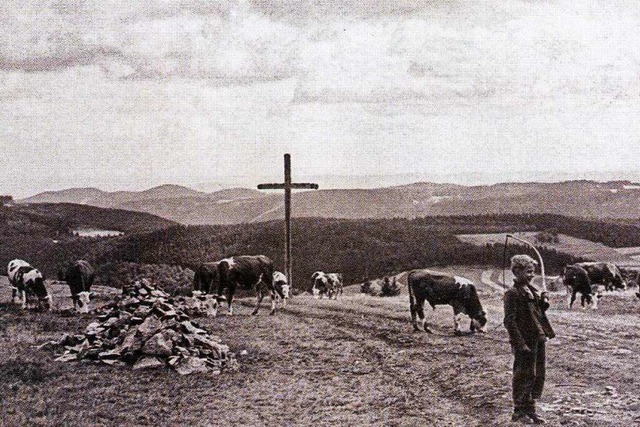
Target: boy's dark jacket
524 317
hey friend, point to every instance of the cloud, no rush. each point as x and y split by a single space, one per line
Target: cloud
342 51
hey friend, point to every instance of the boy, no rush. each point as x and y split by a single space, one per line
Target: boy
529 329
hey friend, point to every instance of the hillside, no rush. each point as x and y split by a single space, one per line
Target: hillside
614 200
43 234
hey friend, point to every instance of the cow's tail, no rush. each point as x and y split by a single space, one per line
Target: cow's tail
223 275
197 278
412 297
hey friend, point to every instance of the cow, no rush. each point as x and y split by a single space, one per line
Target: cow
321 285
27 281
605 273
281 284
246 271
335 284
442 289
576 279
79 275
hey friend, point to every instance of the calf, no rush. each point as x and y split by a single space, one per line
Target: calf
79 275
281 284
26 281
440 289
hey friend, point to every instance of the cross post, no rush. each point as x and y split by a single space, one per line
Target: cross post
287 186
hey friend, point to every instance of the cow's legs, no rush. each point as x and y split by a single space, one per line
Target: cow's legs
259 296
572 299
423 320
273 303
14 293
230 294
414 312
23 298
457 320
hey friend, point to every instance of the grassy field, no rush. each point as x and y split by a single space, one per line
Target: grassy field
567 244
351 362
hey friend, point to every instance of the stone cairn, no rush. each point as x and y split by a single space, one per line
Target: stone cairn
147 328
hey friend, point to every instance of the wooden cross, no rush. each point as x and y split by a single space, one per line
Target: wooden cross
287 186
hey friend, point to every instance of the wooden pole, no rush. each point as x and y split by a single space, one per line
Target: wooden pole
287 185
287 218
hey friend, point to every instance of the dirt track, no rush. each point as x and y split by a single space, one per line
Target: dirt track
353 362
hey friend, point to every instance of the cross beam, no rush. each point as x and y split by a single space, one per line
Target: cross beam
287 186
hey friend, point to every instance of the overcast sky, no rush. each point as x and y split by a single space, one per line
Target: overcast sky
124 95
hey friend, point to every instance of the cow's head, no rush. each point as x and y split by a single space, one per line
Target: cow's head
479 322
592 300
83 301
207 303
618 282
34 284
210 305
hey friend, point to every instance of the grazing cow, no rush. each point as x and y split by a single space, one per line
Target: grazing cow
246 271
335 284
321 285
440 289
79 275
26 281
576 279
605 273
281 284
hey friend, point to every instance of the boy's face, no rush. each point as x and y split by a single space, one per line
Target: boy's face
525 273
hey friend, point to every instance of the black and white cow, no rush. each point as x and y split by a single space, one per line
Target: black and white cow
576 279
27 282
321 285
79 275
441 289
281 285
247 271
605 273
335 284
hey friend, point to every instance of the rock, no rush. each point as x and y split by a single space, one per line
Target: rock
110 354
189 365
94 328
84 345
66 357
147 362
189 328
158 345
149 327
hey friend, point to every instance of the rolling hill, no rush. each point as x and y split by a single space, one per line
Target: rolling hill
613 200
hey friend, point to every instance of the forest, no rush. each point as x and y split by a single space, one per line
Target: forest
360 249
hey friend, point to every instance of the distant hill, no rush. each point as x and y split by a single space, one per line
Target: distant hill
584 199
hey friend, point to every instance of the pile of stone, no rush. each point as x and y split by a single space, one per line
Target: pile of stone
147 328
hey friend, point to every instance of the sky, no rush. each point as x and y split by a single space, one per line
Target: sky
120 95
